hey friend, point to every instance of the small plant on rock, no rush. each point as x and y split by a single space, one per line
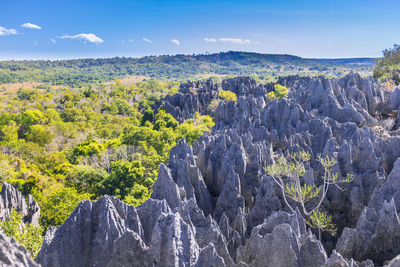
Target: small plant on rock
279 92
222 96
287 173
28 235
227 96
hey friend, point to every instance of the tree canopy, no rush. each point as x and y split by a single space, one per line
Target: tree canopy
64 145
388 67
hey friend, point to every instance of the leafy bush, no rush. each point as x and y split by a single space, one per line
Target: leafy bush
57 203
85 149
227 95
279 92
192 129
123 176
39 135
388 67
28 235
138 195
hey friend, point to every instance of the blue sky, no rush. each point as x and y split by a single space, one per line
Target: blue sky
89 28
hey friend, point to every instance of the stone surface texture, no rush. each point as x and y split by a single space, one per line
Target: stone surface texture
214 205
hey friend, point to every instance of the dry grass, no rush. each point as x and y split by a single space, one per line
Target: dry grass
131 80
11 89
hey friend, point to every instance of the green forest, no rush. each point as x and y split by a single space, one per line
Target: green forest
64 145
79 72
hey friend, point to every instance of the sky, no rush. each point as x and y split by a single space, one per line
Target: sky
64 29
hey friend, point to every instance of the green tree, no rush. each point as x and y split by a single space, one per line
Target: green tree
164 119
123 176
193 129
72 115
52 115
29 118
388 67
39 134
57 203
138 195
279 92
86 149
85 179
26 94
9 133
227 95
121 107
147 116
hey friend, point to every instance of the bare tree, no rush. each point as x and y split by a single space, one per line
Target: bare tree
287 173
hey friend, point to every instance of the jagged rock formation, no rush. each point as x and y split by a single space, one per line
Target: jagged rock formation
192 97
11 198
377 233
13 254
213 204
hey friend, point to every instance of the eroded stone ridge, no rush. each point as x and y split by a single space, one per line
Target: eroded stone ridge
13 254
12 199
213 204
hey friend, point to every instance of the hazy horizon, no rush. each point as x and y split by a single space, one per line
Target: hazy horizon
74 29
160 55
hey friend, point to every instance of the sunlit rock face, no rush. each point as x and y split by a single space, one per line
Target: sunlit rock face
13 254
12 199
214 205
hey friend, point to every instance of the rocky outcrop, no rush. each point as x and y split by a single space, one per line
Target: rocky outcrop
192 97
394 263
11 198
13 254
282 240
88 235
214 205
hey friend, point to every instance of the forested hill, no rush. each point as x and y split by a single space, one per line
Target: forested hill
79 72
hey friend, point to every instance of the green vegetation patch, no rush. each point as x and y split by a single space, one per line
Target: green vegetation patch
80 72
65 145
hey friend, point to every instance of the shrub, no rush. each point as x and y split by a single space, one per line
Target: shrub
227 96
138 195
279 92
28 235
123 176
388 67
86 149
212 107
57 203
39 135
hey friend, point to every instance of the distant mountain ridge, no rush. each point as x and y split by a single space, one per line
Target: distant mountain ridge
77 72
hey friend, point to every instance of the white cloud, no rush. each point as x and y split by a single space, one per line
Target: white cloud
35 43
86 37
230 40
175 42
210 40
53 41
130 40
234 40
31 26
5 31
147 40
